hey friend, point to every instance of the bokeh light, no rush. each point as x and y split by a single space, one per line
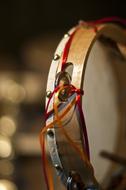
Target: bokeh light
5 147
7 126
12 91
7 185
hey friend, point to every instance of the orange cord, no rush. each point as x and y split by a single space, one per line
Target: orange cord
57 120
81 153
42 142
47 167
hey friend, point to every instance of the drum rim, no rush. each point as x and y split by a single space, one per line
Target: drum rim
52 143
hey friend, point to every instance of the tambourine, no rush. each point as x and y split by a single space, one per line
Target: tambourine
85 106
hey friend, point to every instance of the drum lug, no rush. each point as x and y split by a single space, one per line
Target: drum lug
63 78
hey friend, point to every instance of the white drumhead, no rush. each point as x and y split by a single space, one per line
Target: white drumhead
100 105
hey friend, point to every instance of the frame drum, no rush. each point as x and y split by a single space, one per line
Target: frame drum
96 64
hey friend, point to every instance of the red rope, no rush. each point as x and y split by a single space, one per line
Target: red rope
94 23
66 49
109 19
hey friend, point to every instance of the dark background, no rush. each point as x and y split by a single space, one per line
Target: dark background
21 20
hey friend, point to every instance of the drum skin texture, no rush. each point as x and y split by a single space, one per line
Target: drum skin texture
96 64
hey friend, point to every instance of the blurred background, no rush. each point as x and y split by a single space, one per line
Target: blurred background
29 33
